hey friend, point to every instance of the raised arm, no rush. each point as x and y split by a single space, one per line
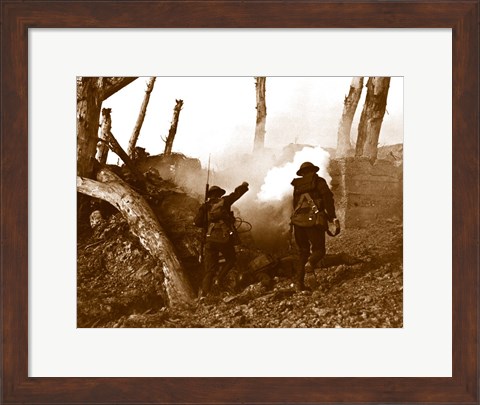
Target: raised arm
236 194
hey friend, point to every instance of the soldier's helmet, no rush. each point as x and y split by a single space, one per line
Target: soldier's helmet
215 191
307 167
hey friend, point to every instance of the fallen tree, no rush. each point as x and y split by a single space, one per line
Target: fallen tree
112 144
143 224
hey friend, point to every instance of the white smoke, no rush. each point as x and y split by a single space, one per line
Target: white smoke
276 185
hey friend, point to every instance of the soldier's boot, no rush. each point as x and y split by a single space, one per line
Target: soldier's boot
309 267
202 296
300 286
300 282
216 287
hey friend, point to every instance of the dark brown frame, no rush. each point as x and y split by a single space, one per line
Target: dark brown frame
18 16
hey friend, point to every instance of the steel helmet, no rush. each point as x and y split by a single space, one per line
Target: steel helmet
215 190
307 167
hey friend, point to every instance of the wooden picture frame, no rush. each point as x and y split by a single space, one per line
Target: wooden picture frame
19 16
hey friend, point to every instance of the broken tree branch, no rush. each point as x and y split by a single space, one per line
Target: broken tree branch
115 147
108 86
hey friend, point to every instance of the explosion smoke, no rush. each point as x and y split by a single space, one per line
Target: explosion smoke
271 207
276 187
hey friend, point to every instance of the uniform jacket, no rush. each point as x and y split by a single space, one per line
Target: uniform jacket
228 201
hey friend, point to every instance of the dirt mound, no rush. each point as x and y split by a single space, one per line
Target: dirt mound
115 275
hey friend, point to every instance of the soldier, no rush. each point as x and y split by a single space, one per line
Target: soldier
313 206
221 236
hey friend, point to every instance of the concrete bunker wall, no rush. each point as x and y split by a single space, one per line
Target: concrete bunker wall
366 192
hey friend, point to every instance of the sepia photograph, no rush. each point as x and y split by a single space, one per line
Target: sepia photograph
239 202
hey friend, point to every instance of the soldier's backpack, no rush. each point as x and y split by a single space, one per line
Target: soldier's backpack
307 214
309 210
217 211
219 230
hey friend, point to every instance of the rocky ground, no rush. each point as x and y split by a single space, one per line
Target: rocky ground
360 286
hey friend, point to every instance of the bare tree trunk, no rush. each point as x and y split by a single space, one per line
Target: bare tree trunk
144 224
349 107
106 127
91 92
141 116
372 117
88 114
173 128
261 107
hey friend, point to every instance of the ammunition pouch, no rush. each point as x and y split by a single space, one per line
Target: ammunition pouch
308 214
308 217
219 232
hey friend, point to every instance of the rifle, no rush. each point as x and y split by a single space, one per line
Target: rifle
205 220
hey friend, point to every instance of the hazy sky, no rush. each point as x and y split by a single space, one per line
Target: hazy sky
218 115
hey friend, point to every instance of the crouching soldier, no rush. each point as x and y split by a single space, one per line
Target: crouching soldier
221 236
313 208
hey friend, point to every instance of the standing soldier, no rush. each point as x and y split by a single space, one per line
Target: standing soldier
313 209
221 237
